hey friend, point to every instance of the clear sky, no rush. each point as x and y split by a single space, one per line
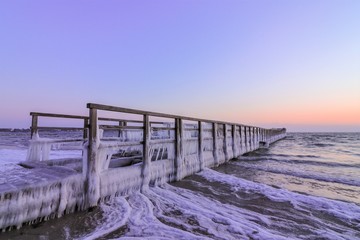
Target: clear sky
293 64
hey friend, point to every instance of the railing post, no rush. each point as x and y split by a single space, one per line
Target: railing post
179 148
201 147
86 126
34 125
122 133
245 139
251 138
215 145
92 171
233 133
146 154
226 143
254 138
240 141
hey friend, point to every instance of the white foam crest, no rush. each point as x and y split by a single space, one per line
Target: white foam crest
348 177
116 212
349 212
196 213
136 213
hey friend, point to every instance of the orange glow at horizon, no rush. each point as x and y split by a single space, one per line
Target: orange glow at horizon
314 115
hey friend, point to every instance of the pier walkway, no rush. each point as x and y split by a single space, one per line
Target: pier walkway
129 152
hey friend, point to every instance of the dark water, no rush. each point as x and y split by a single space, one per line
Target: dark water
306 186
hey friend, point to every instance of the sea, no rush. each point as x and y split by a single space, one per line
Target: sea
306 186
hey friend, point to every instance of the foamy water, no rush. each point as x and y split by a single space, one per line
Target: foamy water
304 187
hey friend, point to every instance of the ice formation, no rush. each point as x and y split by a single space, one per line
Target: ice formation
116 166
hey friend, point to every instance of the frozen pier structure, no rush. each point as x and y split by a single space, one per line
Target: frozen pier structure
129 152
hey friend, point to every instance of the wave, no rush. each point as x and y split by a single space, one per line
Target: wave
173 212
297 172
300 161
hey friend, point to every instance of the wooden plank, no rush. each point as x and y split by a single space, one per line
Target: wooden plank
60 128
92 183
233 133
109 127
160 141
118 120
34 123
146 154
117 144
245 139
155 114
201 146
55 115
86 127
63 140
162 128
226 143
215 144
178 148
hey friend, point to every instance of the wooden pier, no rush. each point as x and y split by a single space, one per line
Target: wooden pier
120 155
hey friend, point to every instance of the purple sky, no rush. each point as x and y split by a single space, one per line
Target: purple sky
291 64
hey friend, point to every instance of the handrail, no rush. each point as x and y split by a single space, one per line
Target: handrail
55 115
157 114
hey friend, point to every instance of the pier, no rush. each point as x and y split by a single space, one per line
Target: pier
119 155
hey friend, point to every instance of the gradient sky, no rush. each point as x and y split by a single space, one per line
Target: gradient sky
293 64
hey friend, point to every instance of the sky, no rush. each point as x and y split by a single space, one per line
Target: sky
279 63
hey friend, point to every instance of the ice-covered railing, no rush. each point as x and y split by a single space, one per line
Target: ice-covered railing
131 151
40 146
137 148
167 150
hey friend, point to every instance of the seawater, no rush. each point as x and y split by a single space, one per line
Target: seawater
306 186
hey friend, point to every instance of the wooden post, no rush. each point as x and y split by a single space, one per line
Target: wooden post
201 147
178 148
122 132
34 125
215 145
254 138
245 139
240 140
250 139
146 154
86 127
234 141
92 182
226 143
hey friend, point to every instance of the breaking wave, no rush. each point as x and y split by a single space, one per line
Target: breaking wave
202 210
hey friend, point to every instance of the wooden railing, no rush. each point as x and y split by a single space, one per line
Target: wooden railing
223 137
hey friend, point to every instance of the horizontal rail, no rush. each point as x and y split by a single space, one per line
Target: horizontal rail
107 127
156 114
57 115
162 128
59 128
57 140
54 115
119 144
162 141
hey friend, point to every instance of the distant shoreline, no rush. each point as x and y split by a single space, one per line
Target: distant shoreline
14 129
